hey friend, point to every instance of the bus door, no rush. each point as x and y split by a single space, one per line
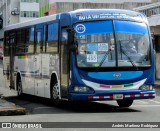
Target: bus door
64 55
12 38
39 84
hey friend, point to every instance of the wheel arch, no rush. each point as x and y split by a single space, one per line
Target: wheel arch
53 78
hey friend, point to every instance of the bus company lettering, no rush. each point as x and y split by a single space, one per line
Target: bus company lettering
107 16
102 16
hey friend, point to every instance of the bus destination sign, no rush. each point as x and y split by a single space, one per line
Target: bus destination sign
110 16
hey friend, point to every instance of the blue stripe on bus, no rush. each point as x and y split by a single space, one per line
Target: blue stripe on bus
111 75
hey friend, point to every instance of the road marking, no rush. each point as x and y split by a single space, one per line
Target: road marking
157 102
44 107
145 106
140 102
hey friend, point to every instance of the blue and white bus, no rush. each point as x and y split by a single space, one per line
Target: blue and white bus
82 55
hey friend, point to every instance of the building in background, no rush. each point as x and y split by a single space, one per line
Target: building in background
48 7
15 11
29 9
152 11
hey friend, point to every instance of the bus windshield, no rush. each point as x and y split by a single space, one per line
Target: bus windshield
99 47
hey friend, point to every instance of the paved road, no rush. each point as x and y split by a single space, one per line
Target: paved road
41 110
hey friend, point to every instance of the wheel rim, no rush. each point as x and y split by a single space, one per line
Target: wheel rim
19 88
55 91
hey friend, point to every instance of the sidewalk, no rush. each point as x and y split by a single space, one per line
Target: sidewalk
8 108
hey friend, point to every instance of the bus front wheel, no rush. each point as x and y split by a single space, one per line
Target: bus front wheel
124 103
55 94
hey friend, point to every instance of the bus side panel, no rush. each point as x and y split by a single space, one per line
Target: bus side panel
25 65
46 74
53 65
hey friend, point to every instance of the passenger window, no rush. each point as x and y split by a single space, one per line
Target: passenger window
38 41
20 47
29 47
52 39
6 44
25 41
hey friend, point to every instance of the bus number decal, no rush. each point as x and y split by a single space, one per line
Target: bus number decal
80 28
91 57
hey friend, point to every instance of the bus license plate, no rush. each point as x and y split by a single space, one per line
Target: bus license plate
118 96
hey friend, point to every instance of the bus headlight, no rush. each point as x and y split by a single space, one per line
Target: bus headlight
81 89
146 87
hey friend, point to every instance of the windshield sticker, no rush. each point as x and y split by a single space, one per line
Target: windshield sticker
102 46
80 28
91 57
92 47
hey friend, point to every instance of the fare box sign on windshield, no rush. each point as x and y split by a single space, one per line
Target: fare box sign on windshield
108 16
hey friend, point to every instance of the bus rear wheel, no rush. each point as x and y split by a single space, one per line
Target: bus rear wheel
124 103
55 94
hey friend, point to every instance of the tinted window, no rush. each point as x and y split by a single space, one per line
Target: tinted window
52 40
29 40
6 44
20 47
39 41
25 41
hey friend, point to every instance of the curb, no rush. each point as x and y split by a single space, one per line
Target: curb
10 109
12 112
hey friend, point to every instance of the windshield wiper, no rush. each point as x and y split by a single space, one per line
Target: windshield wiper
129 58
102 61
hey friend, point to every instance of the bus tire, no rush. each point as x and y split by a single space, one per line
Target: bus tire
124 103
19 88
55 93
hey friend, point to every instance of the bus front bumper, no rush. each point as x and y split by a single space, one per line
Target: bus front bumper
112 95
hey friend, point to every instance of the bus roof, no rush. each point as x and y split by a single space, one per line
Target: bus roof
33 22
98 14
87 11
84 15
